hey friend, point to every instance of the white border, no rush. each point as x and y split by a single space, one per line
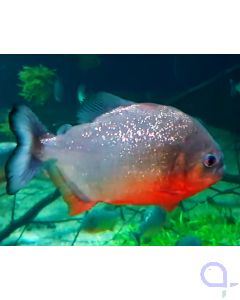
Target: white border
125 26
114 272
91 26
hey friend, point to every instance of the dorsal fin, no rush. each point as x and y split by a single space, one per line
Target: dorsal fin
98 105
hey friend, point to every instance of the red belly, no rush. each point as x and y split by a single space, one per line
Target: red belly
166 194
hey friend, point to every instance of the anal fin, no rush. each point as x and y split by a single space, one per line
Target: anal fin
76 205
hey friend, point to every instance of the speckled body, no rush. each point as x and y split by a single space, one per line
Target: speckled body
139 154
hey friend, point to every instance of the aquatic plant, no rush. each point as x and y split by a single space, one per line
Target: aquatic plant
36 83
208 228
5 130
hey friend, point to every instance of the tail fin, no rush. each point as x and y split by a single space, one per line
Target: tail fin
23 163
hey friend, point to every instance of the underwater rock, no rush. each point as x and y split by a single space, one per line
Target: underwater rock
226 201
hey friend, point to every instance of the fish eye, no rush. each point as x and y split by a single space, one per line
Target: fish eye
210 160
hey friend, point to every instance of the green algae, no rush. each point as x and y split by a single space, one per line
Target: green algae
5 131
36 84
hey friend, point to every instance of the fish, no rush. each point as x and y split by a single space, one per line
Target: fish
189 241
100 220
234 88
126 153
6 149
152 220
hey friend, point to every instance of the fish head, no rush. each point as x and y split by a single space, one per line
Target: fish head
200 159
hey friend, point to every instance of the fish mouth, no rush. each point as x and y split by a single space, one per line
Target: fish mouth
216 175
220 171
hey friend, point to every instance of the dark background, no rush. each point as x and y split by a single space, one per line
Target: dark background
152 78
